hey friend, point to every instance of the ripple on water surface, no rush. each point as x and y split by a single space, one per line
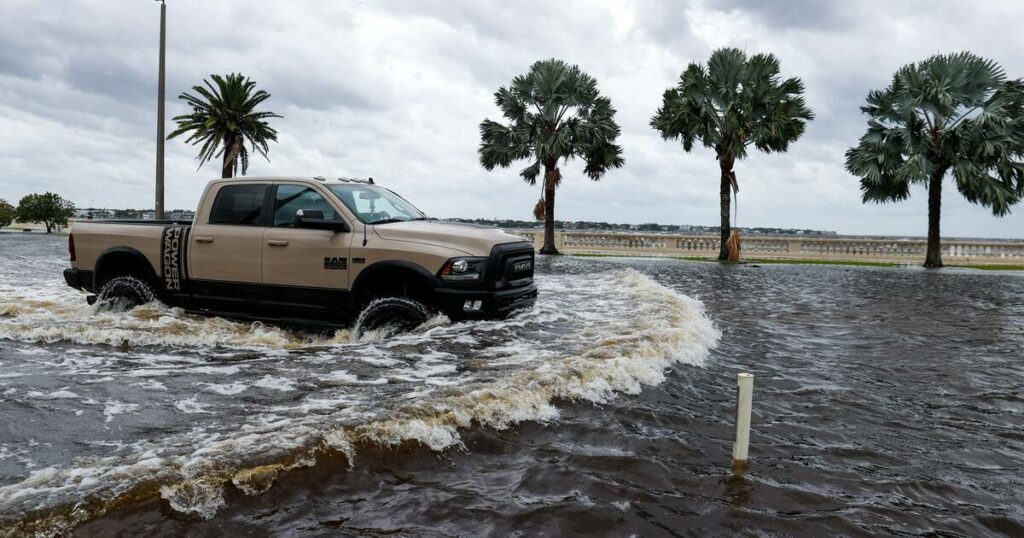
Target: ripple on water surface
887 402
159 401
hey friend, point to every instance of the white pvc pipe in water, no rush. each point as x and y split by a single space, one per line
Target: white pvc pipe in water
744 399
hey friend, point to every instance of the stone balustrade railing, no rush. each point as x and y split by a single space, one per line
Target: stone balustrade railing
810 248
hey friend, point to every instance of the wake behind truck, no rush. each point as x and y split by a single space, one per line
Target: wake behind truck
305 252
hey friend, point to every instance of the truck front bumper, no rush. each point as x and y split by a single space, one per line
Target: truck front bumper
479 304
80 280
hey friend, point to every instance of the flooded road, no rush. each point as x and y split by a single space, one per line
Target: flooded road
887 401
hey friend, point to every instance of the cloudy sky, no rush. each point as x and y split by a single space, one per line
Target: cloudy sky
396 90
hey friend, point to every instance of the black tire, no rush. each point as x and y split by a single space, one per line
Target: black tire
392 315
124 293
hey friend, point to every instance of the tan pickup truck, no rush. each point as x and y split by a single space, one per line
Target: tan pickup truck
308 252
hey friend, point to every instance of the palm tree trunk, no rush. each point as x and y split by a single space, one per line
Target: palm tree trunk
933 258
227 168
725 162
550 181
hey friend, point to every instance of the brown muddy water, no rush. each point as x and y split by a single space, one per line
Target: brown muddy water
887 402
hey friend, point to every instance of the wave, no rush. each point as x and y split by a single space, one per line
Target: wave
590 338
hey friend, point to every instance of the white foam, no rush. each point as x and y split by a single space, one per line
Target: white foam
592 339
199 497
343 377
151 384
114 407
215 370
228 389
192 406
63 393
282 384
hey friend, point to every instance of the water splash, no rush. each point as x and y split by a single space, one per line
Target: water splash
276 399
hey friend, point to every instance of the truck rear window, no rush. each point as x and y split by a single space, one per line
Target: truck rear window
238 204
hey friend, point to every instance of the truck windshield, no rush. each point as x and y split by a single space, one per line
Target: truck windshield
375 205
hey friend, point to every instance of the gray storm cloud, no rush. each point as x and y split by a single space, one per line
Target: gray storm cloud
397 89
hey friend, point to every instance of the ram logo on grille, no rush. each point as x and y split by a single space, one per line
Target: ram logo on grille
524 265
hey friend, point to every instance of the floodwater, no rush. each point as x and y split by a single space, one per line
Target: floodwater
887 402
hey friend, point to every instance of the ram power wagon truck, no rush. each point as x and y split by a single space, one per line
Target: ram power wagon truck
306 252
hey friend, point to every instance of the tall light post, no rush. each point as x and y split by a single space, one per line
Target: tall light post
159 205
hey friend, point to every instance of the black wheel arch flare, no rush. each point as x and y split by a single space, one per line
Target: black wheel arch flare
121 260
369 278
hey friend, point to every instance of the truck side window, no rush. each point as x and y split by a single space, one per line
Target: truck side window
238 204
291 198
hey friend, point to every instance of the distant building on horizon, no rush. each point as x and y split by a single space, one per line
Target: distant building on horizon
182 214
95 213
90 213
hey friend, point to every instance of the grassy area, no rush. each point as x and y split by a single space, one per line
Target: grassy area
745 261
991 267
826 262
655 257
765 261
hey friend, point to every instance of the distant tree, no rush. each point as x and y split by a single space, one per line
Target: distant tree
728 105
6 213
950 113
554 112
223 119
47 208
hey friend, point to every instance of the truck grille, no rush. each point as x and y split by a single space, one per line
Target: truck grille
513 265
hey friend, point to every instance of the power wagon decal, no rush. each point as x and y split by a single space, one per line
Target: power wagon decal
173 270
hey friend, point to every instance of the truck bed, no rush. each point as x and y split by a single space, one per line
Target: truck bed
136 221
93 237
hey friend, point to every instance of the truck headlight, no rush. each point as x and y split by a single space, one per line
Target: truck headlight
462 269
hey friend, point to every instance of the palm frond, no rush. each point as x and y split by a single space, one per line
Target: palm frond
224 114
553 112
733 102
953 112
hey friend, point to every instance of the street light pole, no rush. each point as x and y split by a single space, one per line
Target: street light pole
159 206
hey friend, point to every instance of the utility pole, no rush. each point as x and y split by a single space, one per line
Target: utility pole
159 206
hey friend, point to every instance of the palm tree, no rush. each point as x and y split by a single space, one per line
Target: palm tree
950 113
729 104
224 118
554 112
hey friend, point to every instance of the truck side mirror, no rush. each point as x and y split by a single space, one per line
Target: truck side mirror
313 219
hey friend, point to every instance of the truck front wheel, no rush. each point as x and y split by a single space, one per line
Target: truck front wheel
391 315
123 293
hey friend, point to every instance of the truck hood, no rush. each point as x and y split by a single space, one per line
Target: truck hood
470 239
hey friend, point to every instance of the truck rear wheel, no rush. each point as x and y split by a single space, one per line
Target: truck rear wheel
391 315
124 293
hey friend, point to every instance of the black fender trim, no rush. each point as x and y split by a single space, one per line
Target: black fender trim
105 260
425 278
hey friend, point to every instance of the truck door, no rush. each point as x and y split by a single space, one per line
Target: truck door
305 268
226 243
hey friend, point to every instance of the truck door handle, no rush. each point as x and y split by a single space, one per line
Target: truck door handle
277 243
204 239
